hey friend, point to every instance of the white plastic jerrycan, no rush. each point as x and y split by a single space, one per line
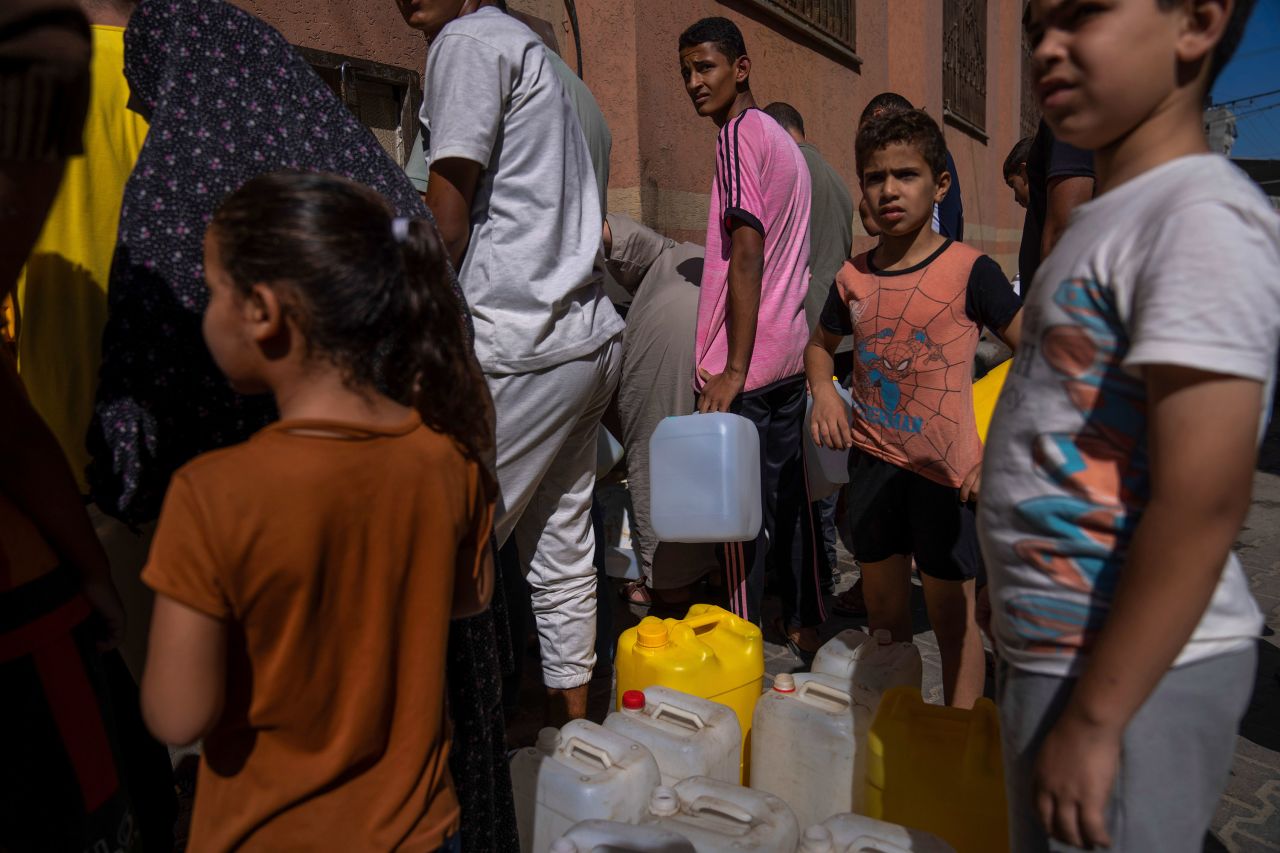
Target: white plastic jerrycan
604 836
704 479
722 818
871 663
808 745
854 833
581 772
827 469
687 735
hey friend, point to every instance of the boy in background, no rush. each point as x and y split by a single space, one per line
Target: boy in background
749 348
915 305
1015 171
1123 446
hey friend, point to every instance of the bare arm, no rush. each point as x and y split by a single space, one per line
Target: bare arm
1201 480
746 274
1064 196
830 421
450 191
184 684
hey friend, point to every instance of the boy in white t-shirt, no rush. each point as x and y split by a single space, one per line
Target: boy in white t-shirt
516 201
1120 460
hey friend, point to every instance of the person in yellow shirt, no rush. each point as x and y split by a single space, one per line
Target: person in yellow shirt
61 305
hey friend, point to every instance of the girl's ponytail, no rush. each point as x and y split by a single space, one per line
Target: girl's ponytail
449 390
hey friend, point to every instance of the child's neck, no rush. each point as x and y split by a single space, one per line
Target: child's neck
908 250
320 393
1174 129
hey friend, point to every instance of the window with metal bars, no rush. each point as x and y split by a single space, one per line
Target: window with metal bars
964 64
383 97
830 22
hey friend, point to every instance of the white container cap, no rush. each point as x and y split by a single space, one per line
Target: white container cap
816 839
664 802
784 683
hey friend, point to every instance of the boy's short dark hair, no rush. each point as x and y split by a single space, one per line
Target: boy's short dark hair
721 32
1226 48
910 127
1017 156
886 101
785 115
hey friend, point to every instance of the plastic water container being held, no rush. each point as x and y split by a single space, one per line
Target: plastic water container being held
710 653
581 772
939 769
687 736
826 469
855 833
704 479
808 745
722 818
871 663
604 836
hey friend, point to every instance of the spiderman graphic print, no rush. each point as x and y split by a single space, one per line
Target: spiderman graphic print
915 332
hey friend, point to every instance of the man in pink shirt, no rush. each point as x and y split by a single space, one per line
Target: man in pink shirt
749 350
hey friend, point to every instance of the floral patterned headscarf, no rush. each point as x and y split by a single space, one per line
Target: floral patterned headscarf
228 99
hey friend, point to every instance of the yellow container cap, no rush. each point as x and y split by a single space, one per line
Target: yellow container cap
651 633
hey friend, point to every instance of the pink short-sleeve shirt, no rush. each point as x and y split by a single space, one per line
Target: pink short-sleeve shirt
762 182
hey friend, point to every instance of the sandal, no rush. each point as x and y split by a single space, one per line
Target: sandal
637 593
850 603
791 640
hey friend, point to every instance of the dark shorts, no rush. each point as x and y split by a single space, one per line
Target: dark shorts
895 511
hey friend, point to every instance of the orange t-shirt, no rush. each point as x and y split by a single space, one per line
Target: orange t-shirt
916 331
332 551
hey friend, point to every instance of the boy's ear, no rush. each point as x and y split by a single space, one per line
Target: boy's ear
263 313
1203 25
742 69
944 186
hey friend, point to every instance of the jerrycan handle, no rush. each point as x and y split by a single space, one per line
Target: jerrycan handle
703 621
714 805
680 715
825 691
578 749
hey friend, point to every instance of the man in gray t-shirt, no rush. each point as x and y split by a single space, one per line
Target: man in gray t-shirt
518 208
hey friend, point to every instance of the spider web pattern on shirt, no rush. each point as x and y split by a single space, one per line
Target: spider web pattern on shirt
910 378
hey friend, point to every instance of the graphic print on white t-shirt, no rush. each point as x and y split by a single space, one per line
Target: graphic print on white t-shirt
1180 266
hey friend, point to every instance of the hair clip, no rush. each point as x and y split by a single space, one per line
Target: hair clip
400 229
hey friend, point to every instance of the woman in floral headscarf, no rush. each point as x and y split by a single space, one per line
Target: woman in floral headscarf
229 99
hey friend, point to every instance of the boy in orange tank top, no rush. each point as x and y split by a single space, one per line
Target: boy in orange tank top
915 305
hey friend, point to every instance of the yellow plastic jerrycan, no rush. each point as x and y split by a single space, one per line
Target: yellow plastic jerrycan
938 769
709 653
985 393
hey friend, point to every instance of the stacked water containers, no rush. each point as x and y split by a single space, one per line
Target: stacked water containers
687 736
581 772
809 743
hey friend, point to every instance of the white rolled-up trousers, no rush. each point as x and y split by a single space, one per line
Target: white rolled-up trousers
547 423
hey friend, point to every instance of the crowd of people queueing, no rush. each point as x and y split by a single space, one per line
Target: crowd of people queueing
331 430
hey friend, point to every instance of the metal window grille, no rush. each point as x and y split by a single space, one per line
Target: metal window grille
964 64
830 22
383 97
1030 107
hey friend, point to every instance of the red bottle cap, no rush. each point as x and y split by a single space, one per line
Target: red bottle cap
633 700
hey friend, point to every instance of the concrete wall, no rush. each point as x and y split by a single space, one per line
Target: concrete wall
663 152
